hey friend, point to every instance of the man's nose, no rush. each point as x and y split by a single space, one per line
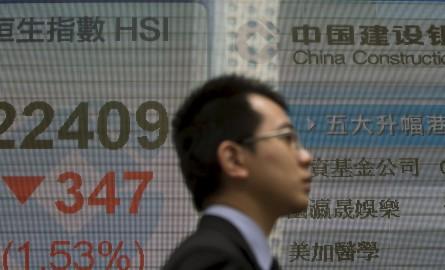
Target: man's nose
305 157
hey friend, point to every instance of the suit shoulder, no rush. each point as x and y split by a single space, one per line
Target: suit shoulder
207 249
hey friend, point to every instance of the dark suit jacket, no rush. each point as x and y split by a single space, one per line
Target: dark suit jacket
216 244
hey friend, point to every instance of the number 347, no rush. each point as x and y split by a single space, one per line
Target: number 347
82 134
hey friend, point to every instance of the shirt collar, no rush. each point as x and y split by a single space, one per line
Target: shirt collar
251 232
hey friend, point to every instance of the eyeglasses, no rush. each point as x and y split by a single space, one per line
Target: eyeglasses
288 135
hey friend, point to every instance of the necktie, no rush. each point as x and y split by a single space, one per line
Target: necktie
275 265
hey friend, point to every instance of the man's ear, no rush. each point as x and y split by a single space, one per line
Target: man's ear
232 159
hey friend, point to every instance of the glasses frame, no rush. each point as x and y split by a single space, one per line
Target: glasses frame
276 134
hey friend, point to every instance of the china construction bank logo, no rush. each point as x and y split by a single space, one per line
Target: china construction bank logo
257 41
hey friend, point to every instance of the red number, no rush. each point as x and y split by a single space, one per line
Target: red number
73 190
108 182
56 252
88 254
25 247
110 201
145 178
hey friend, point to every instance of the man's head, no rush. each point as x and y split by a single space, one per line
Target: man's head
234 132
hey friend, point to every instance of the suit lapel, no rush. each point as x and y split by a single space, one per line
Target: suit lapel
226 228
275 265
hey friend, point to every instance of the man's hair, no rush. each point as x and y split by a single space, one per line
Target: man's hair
218 110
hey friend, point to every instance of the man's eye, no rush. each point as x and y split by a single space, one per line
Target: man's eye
290 138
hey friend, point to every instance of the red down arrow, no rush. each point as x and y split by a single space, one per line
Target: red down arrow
23 186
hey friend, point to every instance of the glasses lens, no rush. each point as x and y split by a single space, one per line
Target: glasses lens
291 138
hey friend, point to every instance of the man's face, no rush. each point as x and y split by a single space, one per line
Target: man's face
278 168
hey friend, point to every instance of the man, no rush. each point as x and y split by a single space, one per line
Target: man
244 166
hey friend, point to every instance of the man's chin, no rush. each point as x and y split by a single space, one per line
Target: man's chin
301 206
